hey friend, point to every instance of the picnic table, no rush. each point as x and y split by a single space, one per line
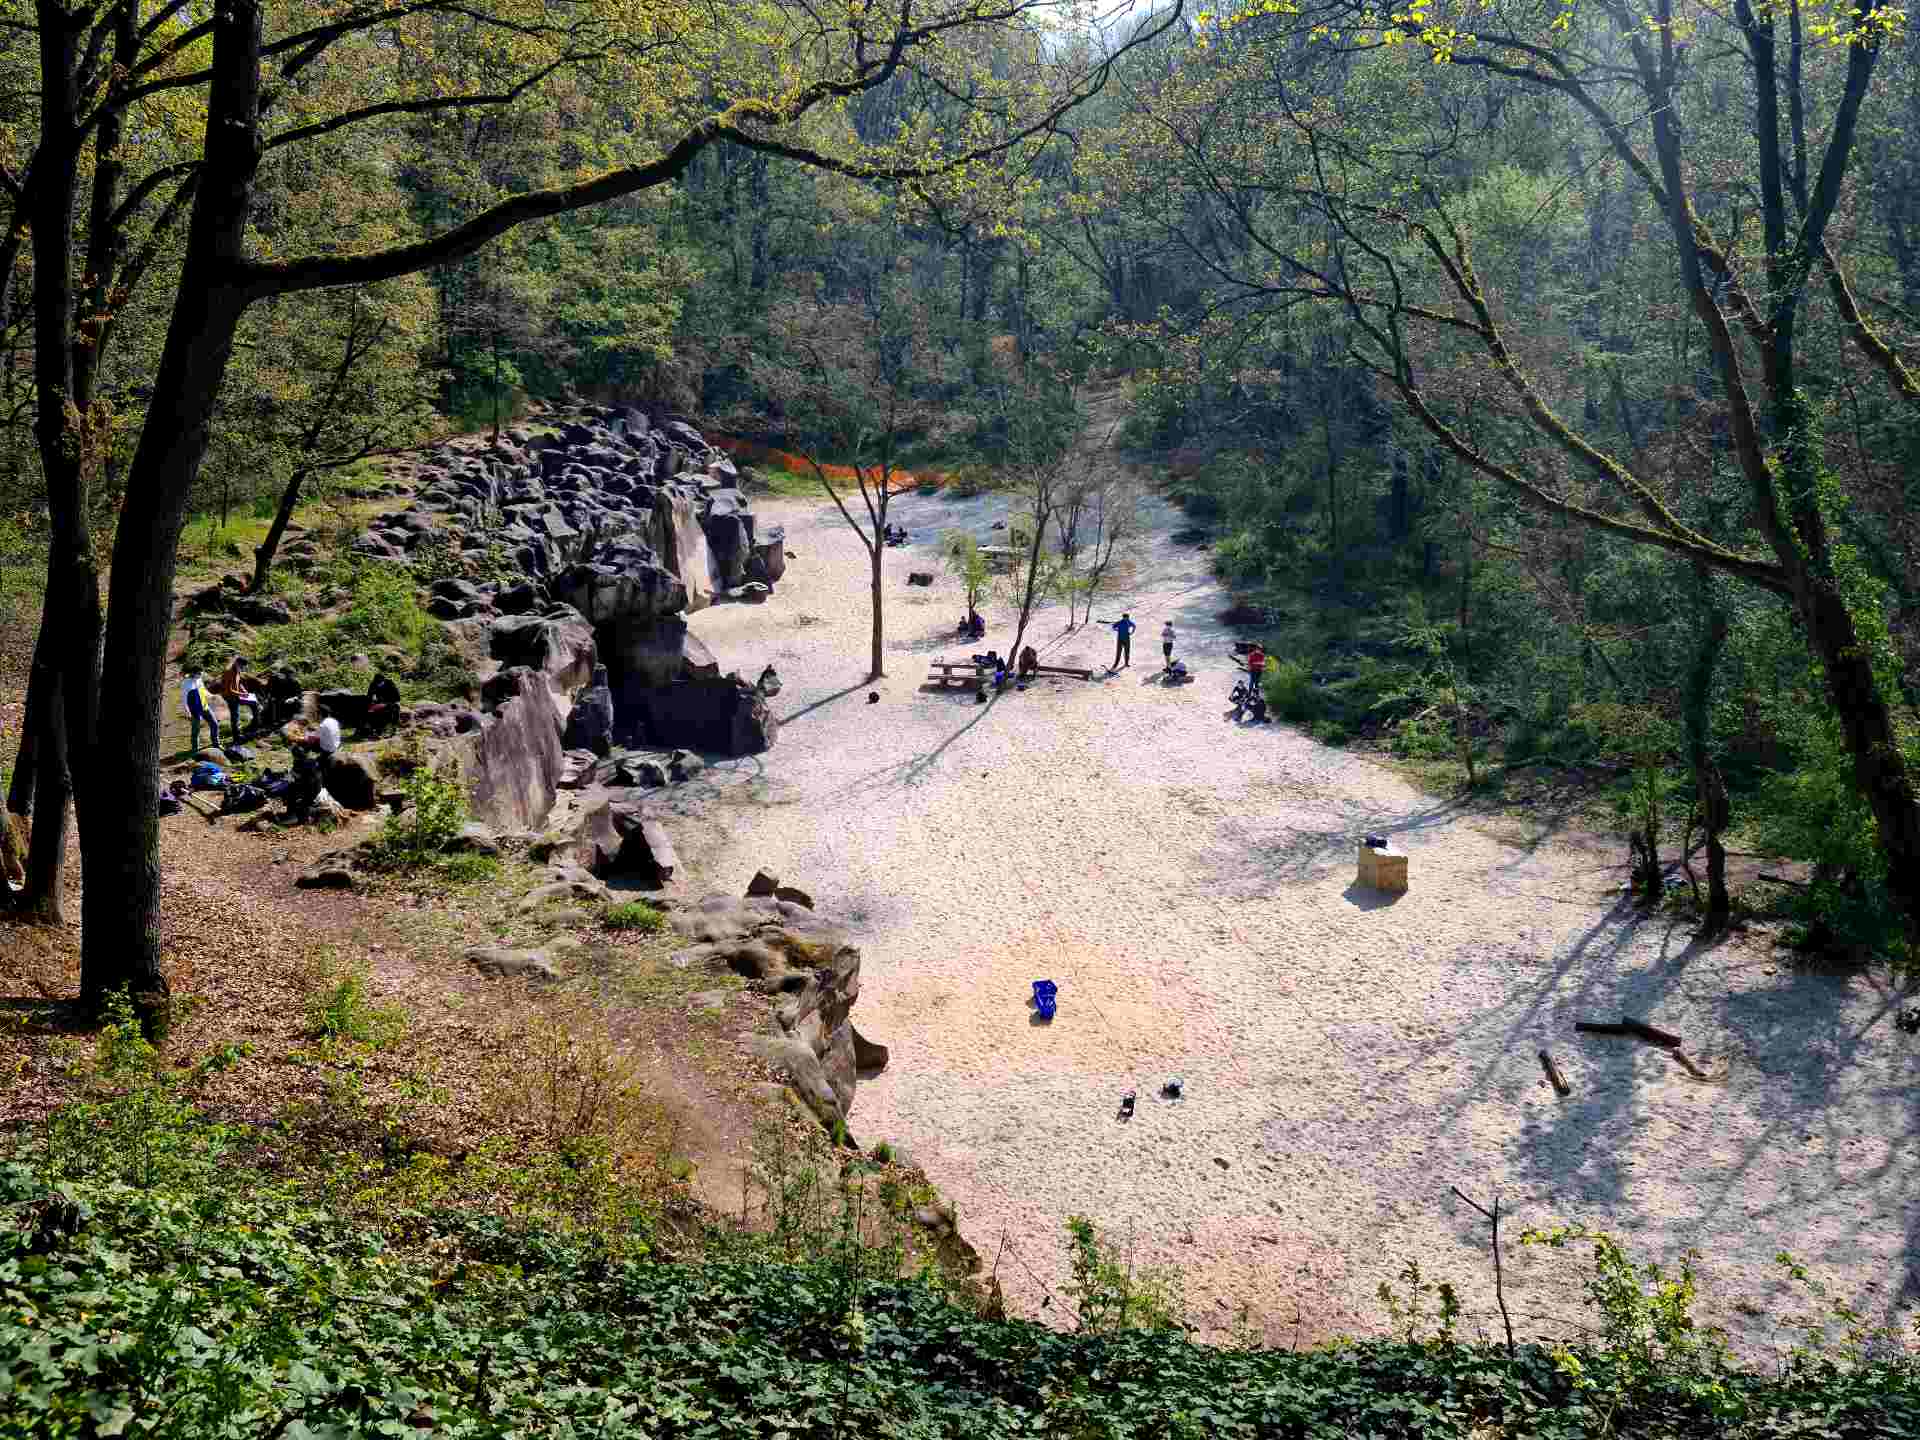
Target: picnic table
967 672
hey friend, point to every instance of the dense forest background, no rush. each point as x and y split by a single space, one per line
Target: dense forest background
1506 357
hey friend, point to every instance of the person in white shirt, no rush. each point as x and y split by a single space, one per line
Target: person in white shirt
1166 641
193 695
325 739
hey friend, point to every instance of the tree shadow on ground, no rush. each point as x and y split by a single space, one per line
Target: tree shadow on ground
823 701
911 771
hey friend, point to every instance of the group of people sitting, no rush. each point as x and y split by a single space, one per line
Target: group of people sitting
974 627
270 701
895 534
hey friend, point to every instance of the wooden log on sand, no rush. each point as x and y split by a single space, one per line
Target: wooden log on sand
1600 1027
1078 674
1688 1065
1554 1077
1649 1033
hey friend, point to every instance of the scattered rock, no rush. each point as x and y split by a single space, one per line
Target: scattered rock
791 895
762 883
919 577
498 963
708 1000
475 838
327 875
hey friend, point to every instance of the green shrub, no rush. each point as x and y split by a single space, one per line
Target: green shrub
1110 1295
1329 732
635 915
1419 738
384 610
1291 691
339 1007
969 481
467 868
418 835
1240 559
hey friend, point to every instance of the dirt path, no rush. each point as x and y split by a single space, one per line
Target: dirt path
1188 883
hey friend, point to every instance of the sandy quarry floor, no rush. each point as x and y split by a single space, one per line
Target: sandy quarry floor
1189 885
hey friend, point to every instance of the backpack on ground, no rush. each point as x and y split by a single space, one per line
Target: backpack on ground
208 776
241 798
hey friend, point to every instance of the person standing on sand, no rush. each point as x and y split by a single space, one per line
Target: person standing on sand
1123 629
1166 643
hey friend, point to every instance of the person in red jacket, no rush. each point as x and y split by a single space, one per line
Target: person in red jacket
1256 663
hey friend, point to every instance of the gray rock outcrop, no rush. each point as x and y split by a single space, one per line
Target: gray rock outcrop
512 763
811 968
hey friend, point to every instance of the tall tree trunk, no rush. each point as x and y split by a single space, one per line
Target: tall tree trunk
1709 786
120 838
264 552
44 896
878 551
41 681
71 615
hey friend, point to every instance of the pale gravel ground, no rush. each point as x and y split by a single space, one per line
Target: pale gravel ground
1189 885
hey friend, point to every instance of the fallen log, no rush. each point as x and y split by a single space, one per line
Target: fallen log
1600 1027
1782 880
1077 673
1554 1077
1650 1033
1688 1065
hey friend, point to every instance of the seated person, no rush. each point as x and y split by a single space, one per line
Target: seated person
306 784
283 697
1029 661
383 703
323 743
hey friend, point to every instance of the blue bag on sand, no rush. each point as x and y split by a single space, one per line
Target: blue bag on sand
208 776
1045 998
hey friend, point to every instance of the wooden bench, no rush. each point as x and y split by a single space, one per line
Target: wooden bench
965 671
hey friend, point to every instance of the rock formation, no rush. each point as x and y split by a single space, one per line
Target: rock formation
812 969
619 527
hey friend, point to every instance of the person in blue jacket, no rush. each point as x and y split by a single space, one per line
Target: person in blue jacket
1123 629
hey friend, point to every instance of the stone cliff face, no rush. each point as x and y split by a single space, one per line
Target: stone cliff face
618 528
812 968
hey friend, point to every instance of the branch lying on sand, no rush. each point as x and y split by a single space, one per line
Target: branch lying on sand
1553 1074
1630 1026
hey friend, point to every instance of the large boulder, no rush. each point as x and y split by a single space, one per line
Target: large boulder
813 969
557 643
729 531
676 534
720 714
512 764
647 656
349 707
351 781
769 561
621 580
615 837
590 721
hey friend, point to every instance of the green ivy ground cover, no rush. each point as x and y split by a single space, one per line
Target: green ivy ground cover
208 1306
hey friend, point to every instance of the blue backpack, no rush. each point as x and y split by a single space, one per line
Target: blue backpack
208 776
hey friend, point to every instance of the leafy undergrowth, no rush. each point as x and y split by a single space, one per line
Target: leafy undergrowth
154 1281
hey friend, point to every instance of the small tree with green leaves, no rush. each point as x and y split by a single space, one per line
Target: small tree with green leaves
968 566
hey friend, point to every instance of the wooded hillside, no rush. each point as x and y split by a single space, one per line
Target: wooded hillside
1537 370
